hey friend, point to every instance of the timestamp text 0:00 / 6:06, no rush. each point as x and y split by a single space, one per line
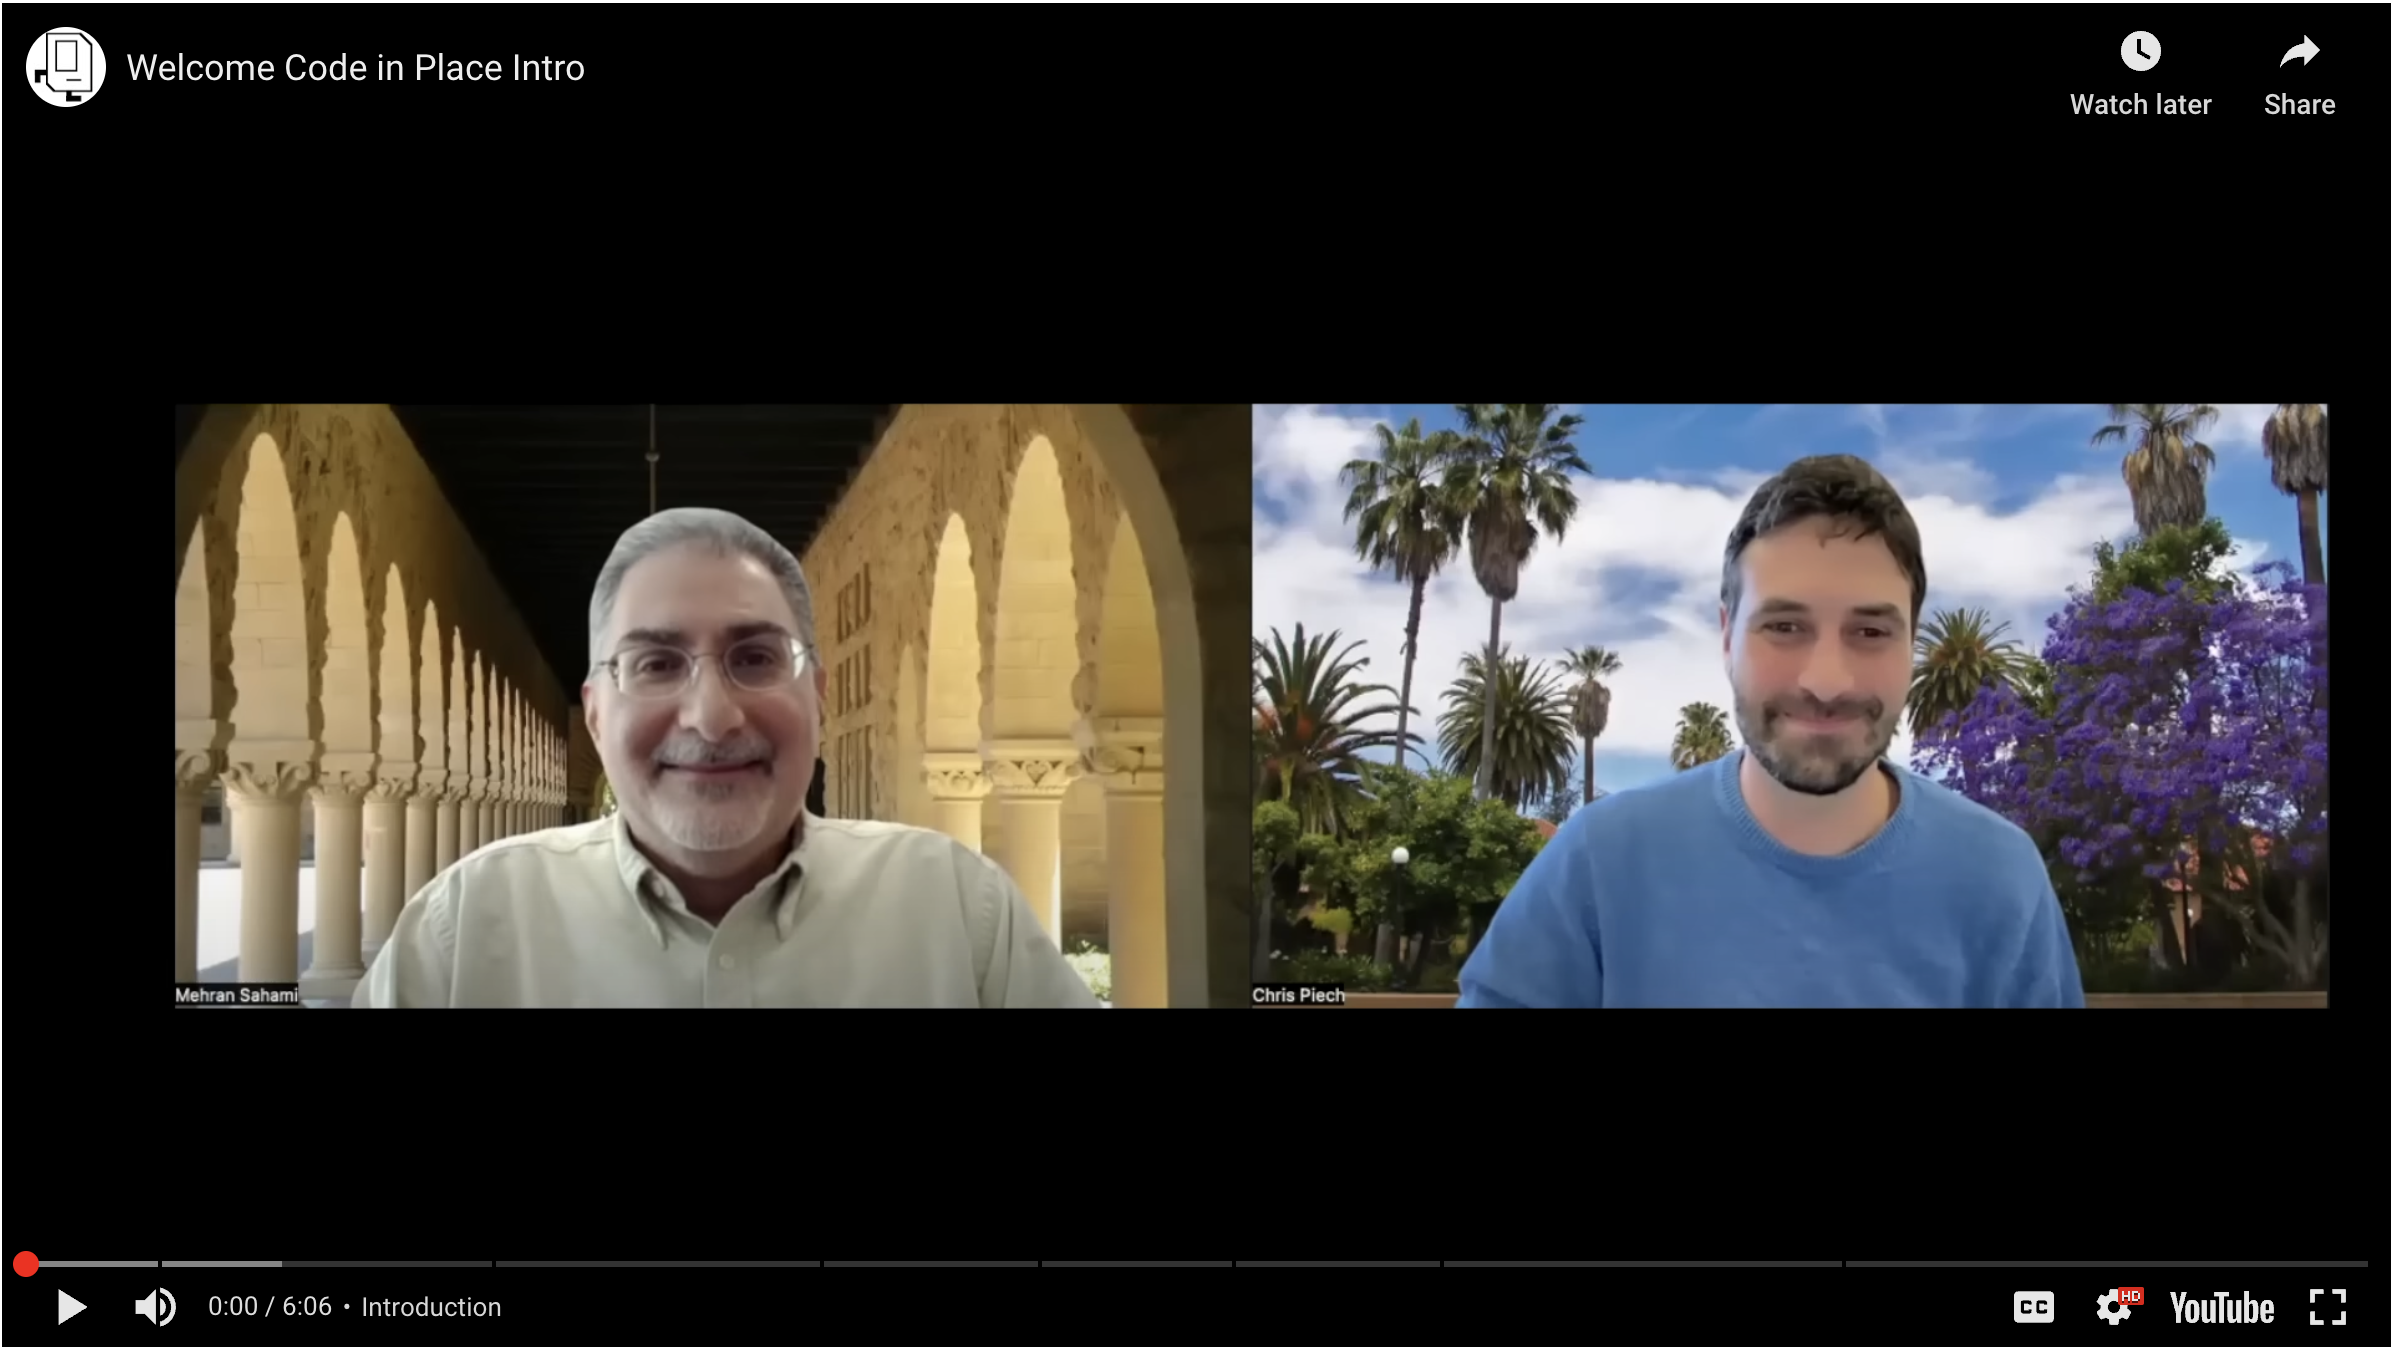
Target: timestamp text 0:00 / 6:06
264 1306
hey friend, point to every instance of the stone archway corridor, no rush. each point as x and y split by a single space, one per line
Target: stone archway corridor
358 704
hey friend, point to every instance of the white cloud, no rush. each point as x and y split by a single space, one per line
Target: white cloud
2238 426
1639 570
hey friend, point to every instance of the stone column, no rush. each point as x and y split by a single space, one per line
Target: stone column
447 827
1027 779
385 857
340 791
193 770
469 818
268 785
1128 754
958 783
423 831
486 831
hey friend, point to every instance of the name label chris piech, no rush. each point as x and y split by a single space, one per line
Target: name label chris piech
236 994
1299 994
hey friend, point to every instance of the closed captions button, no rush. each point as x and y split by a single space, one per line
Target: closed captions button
2032 1308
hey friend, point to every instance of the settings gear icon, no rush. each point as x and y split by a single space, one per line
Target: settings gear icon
2111 1308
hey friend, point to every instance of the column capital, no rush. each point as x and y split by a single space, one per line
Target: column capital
955 776
393 779
341 787
259 781
431 782
1037 769
1126 751
193 770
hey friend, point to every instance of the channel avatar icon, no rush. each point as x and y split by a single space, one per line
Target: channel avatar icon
66 67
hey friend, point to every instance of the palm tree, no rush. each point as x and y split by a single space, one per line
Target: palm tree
2295 440
1307 725
1402 524
2166 464
1702 736
1531 734
1959 653
1590 702
1509 475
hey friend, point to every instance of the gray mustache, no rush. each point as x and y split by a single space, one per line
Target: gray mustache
700 754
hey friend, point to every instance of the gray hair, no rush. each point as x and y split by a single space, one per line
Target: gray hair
717 531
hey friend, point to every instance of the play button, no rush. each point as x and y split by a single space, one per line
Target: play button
67 1306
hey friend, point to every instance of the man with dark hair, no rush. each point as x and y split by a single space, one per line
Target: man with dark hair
1805 869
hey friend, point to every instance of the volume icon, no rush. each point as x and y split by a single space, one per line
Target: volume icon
157 1308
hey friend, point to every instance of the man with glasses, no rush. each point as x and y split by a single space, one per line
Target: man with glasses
712 885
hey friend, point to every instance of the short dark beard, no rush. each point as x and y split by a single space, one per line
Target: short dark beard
1758 725
1846 774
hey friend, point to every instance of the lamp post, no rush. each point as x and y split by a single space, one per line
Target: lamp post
1402 857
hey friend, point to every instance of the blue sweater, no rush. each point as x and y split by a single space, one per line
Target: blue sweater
1671 895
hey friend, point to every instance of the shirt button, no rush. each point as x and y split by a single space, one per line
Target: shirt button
728 962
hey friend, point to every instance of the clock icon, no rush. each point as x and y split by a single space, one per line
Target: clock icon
2140 50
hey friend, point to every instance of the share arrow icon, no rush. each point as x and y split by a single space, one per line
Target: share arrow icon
2305 51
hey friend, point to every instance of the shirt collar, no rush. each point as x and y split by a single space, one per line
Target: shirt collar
654 895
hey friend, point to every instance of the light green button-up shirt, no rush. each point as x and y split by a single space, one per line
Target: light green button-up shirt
862 914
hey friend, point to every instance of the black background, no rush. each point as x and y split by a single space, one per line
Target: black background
1781 204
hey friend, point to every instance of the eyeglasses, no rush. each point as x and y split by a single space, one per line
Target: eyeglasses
758 664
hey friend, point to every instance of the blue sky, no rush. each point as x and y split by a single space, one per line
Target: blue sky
2010 501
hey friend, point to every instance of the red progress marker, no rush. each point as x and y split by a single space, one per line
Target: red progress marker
24 1263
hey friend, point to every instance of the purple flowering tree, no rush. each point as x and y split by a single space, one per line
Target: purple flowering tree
2184 736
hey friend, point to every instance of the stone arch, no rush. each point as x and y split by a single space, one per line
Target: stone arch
951 713
460 713
1203 911
525 764
431 702
1158 468
271 685
1037 636
952 775
194 649
1125 690
503 757
347 724
477 733
395 689
274 710
197 736
1129 678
